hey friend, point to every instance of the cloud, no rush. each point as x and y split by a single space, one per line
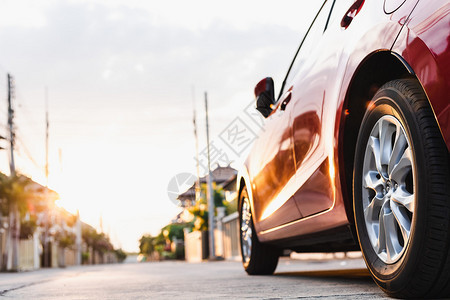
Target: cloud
120 76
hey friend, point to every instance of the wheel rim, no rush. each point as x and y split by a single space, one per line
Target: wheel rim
388 189
246 230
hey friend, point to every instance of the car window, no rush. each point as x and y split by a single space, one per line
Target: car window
309 41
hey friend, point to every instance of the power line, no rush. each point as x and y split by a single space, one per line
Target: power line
26 150
16 135
23 108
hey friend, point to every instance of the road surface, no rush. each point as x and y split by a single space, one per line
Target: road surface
294 279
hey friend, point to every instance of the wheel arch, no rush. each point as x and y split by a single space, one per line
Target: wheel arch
243 180
375 70
240 187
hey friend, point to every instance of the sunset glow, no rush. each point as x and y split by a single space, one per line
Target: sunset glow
121 78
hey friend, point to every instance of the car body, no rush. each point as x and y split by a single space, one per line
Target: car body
298 176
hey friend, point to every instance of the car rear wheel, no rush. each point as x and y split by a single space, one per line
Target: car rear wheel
401 193
257 258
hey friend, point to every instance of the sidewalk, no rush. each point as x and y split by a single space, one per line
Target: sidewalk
16 280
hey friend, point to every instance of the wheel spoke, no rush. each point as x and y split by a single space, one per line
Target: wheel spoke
372 211
374 149
386 129
247 243
380 247
371 181
403 198
398 149
401 170
403 221
393 247
372 216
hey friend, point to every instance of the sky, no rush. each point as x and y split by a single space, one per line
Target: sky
123 78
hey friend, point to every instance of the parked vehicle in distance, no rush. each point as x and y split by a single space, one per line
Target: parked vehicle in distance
355 149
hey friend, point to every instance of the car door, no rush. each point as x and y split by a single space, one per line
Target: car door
307 83
271 168
273 165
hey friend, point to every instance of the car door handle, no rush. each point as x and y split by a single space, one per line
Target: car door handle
351 13
286 100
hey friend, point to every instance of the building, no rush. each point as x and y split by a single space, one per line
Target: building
224 177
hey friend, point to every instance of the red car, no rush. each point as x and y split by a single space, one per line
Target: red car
354 153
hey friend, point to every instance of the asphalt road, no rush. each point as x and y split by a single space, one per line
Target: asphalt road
330 279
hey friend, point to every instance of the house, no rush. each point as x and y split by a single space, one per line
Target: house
224 177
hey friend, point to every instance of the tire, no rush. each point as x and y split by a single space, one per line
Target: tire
401 193
257 258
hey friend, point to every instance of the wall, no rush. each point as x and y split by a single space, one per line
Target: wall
70 257
3 255
26 255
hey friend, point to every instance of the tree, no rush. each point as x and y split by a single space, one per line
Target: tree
175 231
152 244
27 228
161 243
97 241
65 239
146 244
200 217
13 189
200 209
218 196
120 254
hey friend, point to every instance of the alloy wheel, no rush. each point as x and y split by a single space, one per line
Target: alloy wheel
246 230
388 189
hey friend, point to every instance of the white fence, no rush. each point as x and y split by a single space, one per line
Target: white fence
231 247
226 241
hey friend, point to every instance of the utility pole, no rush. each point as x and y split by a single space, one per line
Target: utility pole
209 193
12 166
46 261
46 135
14 221
78 241
197 182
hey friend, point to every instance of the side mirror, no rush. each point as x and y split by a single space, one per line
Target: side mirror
265 96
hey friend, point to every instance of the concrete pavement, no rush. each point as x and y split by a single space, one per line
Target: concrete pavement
294 279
